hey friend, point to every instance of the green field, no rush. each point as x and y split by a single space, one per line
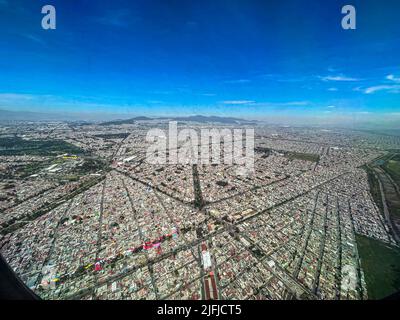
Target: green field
393 168
16 146
374 188
381 265
113 135
31 168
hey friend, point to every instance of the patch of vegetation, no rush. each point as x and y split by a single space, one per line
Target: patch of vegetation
70 169
374 188
392 167
381 265
31 168
90 166
396 157
17 146
112 135
302 156
71 177
263 150
222 183
124 121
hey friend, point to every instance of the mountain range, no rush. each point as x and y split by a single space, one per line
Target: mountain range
7 116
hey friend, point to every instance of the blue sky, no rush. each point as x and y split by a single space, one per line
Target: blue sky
255 59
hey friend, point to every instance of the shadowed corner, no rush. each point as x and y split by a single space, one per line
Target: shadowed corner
11 287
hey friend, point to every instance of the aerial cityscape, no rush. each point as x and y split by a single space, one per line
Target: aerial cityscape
304 206
85 217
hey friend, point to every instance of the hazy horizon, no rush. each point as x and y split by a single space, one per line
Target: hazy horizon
365 121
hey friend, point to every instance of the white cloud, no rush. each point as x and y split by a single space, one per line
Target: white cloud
266 104
331 107
392 78
332 89
339 78
238 102
389 88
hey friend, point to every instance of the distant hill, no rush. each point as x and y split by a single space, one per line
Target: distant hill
7 115
227 120
196 118
125 121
